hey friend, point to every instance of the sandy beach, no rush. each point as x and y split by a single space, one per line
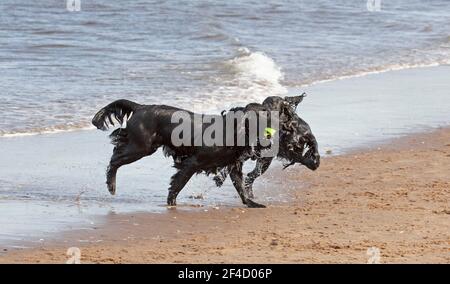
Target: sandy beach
376 79
394 197
385 185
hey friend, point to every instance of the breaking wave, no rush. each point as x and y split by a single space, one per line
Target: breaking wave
248 77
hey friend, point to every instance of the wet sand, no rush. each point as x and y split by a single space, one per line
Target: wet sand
394 197
55 182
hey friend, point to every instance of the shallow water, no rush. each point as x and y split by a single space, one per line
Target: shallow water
347 114
202 55
55 182
57 68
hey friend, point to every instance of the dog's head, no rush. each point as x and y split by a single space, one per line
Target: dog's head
279 103
298 144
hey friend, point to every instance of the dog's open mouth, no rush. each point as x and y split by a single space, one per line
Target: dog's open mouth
308 156
304 155
307 151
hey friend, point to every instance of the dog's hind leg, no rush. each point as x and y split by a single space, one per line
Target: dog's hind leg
262 164
122 156
236 176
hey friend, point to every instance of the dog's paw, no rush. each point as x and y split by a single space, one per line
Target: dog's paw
252 204
111 188
171 202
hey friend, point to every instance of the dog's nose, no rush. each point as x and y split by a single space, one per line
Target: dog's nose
316 161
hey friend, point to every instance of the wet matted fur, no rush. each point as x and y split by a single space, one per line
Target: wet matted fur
150 127
297 143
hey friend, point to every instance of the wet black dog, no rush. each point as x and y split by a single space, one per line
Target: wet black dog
304 149
151 127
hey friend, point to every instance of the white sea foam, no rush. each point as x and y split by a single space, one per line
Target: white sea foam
439 56
45 130
257 68
255 76
378 70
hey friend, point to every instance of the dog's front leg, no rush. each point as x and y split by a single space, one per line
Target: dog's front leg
221 177
177 183
262 164
236 176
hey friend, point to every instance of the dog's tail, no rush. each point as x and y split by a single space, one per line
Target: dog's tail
119 109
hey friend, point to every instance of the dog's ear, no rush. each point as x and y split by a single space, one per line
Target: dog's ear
295 100
286 112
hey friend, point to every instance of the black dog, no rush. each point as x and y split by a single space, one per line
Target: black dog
303 151
150 127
